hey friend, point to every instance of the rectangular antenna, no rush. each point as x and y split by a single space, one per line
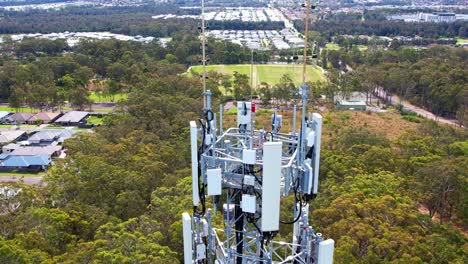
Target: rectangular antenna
187 232
317 126
244 115
272 153
325 252
221 108
214 179
194 150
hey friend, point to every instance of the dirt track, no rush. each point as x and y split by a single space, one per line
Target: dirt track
418 110
27 180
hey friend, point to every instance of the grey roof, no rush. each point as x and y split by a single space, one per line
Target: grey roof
72 117
52 134
19 117
4 114
44 116
44 136
9 136
10 146
33 151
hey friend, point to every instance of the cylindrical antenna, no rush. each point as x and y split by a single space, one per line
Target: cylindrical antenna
251 98
294 120
203 39
306 35
293 61
221 109
251 72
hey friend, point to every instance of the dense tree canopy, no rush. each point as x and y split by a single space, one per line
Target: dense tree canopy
372 193
434 78
46 74
375 23
118 195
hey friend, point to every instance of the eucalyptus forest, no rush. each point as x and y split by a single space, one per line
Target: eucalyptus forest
395 197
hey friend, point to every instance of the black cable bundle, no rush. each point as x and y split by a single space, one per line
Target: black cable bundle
296 199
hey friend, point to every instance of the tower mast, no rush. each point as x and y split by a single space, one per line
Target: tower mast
306 40
203 41
246 172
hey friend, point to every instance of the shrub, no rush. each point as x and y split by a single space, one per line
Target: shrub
232 111
412 118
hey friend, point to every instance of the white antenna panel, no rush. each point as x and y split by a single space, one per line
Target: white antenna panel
325 251
187 232
214 178
194 152
244 115
272 153
317 123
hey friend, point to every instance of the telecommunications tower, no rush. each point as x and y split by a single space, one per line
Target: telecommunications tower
245 172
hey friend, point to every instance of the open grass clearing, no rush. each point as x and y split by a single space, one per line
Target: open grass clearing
101 109
22 126
65 108
362 47
99 97
21 174
332 46
390 124
95 120
461 40
19 110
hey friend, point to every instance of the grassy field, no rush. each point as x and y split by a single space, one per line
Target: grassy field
462 40
65 108
21 109
97 97
20 174
27 109
95 120
362 47
334 46
101 109
270 74
19 125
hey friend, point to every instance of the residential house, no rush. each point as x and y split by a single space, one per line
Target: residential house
9 136
7 149
50 136
24 163
3 115
53 151
73 118
18 118
43 118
